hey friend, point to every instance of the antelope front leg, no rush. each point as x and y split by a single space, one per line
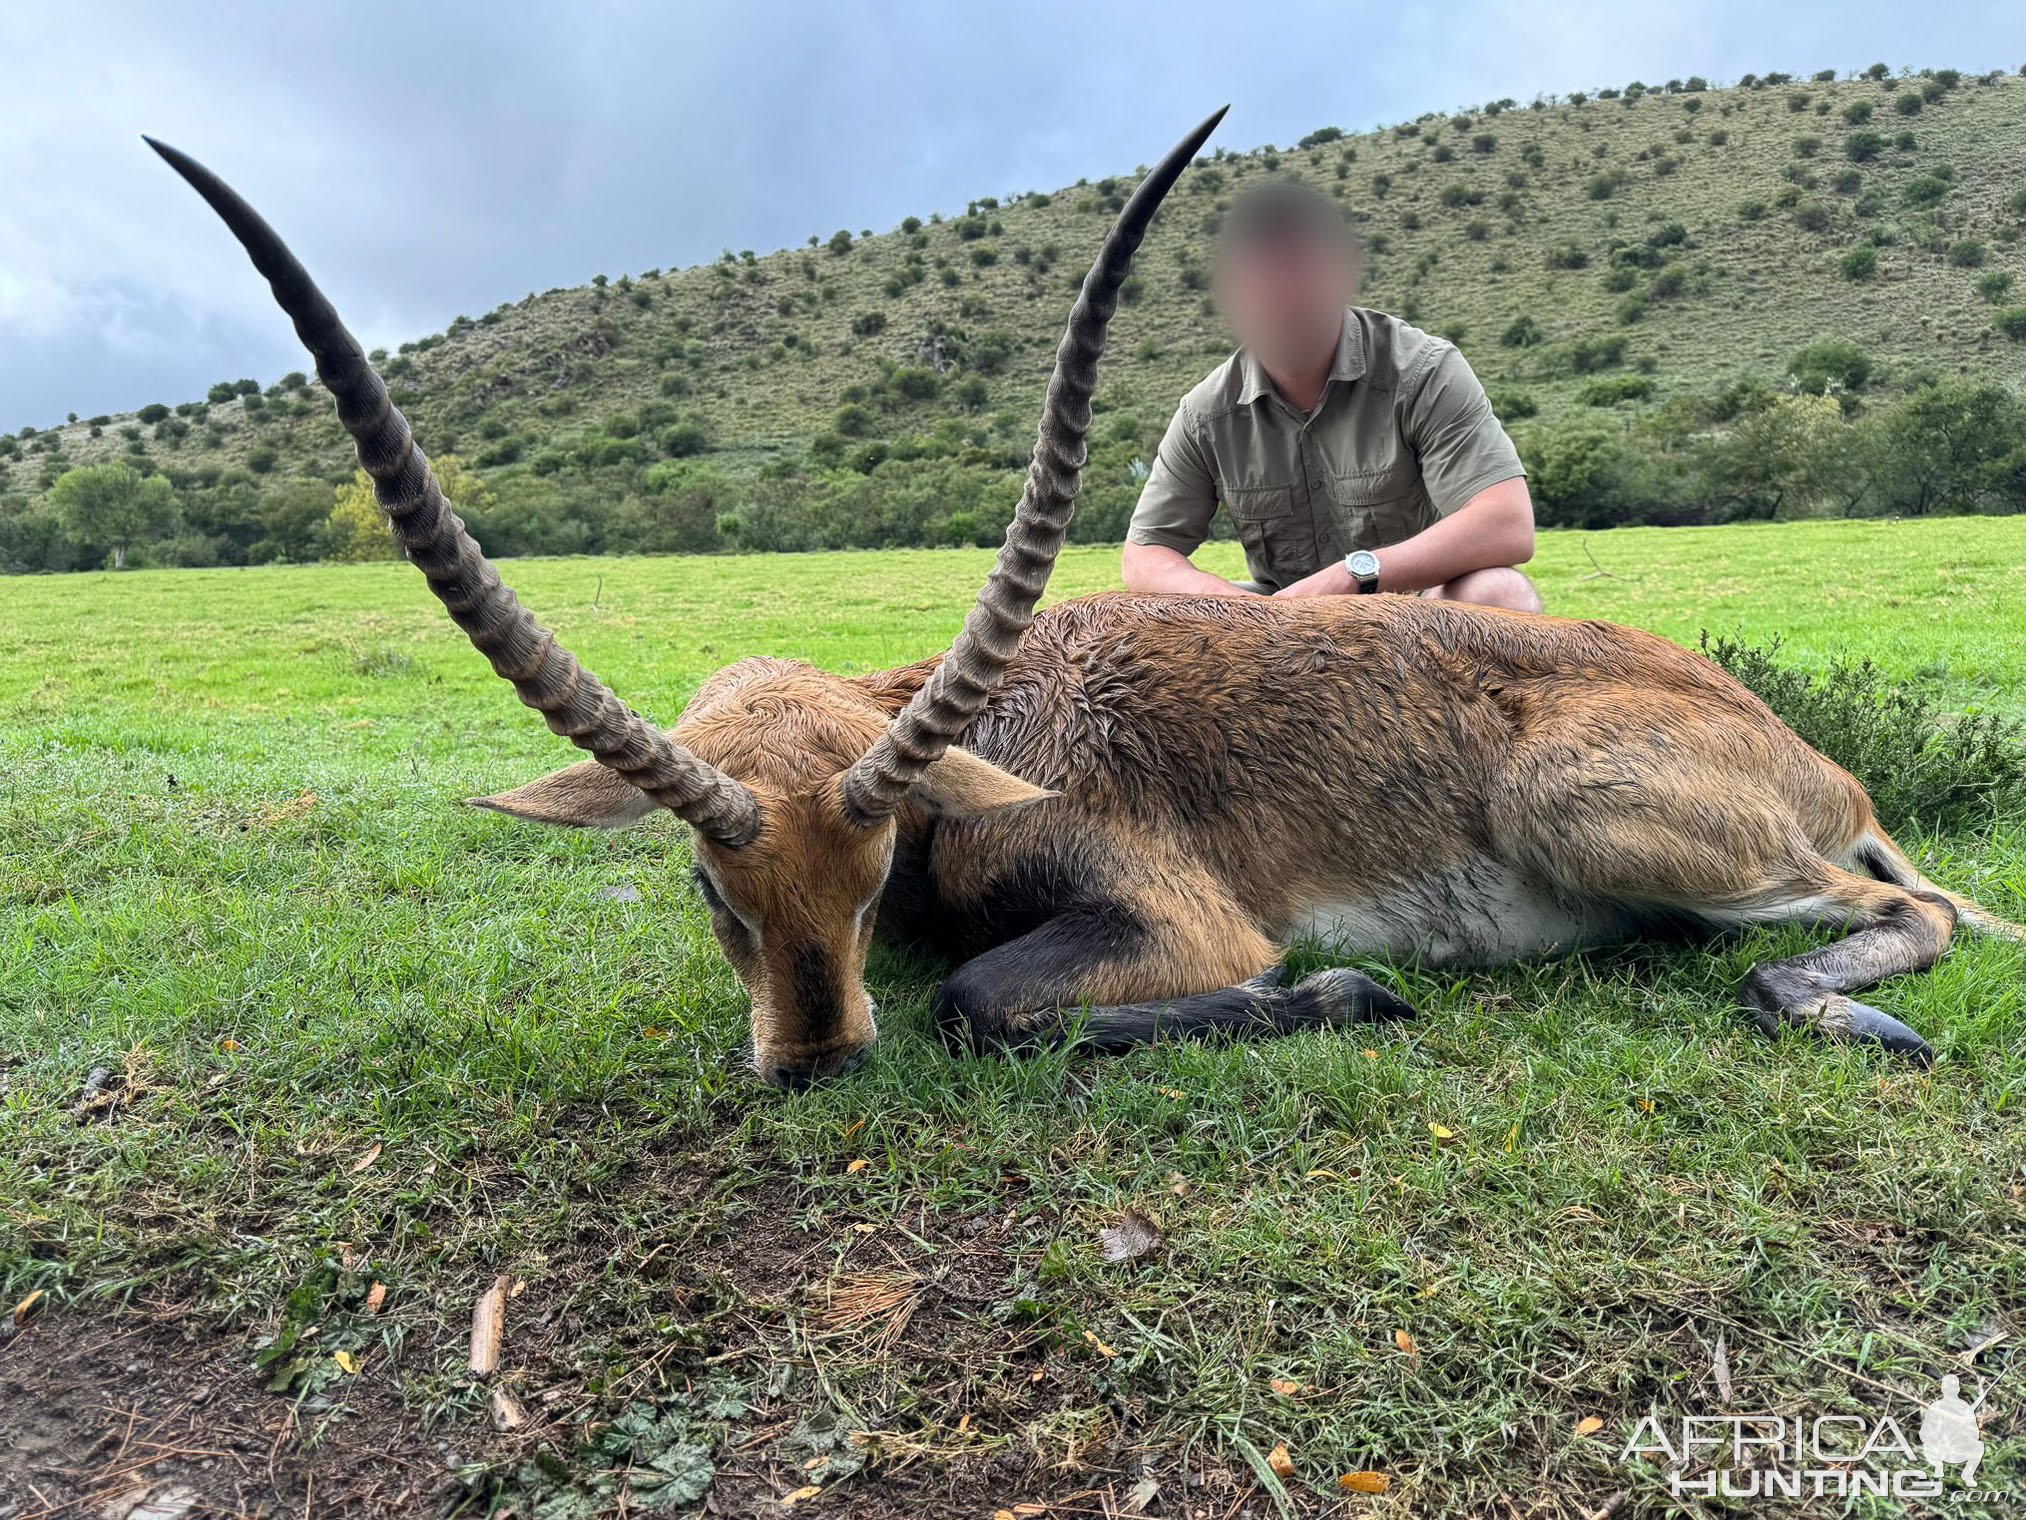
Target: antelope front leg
1133 979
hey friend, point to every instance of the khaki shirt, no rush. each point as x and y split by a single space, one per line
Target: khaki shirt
1402 437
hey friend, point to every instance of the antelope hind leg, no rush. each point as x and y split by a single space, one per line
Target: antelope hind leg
1129 979
1893 931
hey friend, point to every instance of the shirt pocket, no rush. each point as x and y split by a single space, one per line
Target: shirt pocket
1277 549
1369 509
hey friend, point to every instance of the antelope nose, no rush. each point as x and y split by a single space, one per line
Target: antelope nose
801 1076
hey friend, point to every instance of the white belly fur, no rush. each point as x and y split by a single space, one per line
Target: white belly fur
1483 914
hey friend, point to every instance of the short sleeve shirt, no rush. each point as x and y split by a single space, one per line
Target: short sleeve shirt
1402 437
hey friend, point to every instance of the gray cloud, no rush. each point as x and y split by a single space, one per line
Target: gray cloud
433 159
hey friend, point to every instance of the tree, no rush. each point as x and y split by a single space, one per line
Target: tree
358 527
112 506
1782 459
1953 447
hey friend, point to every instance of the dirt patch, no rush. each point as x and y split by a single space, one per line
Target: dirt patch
754 1341
152 1415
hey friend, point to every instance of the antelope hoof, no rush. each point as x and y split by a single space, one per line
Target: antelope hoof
1859 1023
1344 996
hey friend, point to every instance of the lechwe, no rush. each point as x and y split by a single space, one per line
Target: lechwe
1117 813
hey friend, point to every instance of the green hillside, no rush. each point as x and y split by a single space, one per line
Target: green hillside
1597 256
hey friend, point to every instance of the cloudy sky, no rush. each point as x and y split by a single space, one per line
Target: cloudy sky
427 159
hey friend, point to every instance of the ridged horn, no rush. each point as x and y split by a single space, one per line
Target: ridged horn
547 676
945 706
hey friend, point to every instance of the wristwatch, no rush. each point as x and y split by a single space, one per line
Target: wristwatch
1364 569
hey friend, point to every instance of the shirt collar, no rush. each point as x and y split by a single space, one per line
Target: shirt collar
1349 365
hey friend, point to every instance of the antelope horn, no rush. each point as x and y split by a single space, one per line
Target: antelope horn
547 676
940 712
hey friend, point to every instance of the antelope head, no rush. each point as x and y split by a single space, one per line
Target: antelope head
791 779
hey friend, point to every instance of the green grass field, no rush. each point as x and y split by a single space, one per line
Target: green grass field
353 1034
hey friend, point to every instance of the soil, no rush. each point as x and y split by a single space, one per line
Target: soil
158 1414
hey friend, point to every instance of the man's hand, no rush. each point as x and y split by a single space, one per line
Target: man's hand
1331 580
1154 568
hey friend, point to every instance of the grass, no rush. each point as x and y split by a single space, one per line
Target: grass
765 352
354 1033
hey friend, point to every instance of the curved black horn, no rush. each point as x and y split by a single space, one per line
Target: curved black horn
944 707
547 676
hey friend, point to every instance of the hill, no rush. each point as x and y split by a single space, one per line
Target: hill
1598 257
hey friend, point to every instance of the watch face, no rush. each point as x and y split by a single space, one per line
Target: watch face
1364 564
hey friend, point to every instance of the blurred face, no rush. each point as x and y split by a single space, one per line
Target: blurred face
1285 294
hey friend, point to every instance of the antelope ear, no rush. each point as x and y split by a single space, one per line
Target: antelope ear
960 785
584 796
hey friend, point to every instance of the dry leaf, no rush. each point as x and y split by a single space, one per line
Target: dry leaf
507 1413
1441 1132
651 1032
1133 1237
376 1296
1589 1425
1319 1172
372 1155
1364 1483
1287 1388
1030 1509
789 1501
857 1166
26 1307
1281 1463
1371 1055
1646 1105
346 1361
488 1326
1512 1140
1102 1348
1172 1092
1406 1343
228 1044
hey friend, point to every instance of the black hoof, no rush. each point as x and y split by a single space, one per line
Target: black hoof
1345 996
1863 1023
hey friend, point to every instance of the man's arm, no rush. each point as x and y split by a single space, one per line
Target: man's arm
1495 527
1152 568
1173 518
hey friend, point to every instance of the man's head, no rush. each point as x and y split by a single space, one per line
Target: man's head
1287 266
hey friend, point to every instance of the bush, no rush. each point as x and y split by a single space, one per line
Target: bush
1967 253
686 439
1907 104
1863 147
1614 389
2012 323
868 323
1567 256
1834 362
1811 216
840 242
154 411
1994 285
1923 766
1807 147
1860 263
1523 332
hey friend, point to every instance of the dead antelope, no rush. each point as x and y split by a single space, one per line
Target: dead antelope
1154 795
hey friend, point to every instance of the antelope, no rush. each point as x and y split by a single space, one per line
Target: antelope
1115 814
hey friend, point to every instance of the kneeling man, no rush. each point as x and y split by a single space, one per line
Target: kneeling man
1354 453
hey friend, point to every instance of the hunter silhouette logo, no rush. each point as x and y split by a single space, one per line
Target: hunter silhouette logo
1949 1433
